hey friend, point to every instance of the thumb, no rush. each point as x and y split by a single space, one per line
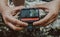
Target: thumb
41 6
17 9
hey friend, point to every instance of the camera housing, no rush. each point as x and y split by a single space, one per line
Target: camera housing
29 15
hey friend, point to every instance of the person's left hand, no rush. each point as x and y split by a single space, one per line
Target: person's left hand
9 19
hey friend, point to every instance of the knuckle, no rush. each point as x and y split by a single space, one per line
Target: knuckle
15 21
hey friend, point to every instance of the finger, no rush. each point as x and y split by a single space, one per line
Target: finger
44 24
16 21
13 26
51 21
37 23
17 9
41 6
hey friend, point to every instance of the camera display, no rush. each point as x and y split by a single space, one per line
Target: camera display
29 14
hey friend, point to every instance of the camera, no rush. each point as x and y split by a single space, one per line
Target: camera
31 15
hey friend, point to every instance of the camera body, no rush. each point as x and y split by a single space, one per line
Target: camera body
31 15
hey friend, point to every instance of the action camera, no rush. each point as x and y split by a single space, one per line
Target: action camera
29 15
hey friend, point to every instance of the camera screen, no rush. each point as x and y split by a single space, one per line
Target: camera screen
28 13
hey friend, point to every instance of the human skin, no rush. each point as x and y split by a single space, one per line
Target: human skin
8 17
51 7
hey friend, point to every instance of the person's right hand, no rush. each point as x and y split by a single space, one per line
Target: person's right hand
11 21
53 10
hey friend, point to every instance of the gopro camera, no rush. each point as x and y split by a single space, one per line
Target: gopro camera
29 15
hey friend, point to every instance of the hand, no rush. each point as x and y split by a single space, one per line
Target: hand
10 20
51 7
